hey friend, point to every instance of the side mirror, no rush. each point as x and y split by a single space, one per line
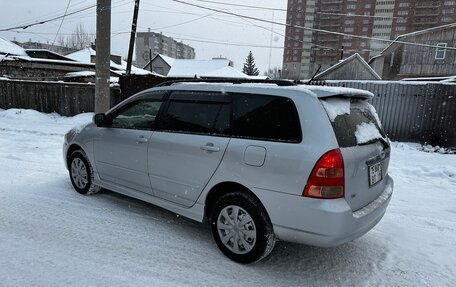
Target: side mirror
100 120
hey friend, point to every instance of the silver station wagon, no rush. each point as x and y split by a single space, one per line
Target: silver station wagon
259 161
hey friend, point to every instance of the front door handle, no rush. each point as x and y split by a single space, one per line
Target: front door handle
141 140
209 147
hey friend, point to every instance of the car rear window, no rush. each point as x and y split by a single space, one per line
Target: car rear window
354 121
265 118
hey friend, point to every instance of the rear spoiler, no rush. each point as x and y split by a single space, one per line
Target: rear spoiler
327 92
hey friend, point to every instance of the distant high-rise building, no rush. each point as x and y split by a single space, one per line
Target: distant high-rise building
306 50
151 43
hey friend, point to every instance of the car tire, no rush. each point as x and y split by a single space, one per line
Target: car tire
81 173
241 228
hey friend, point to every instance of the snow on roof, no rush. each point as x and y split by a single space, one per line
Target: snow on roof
8 47
80 74
167 59
226 72
85 55
190 68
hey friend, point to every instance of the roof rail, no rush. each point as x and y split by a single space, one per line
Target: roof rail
227 80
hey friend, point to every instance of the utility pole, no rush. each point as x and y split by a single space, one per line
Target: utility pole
132 37
103 58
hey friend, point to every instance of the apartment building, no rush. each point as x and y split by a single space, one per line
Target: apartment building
376 20
149 44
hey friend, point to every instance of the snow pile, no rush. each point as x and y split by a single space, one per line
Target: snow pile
365 132
33 122
336 107
438 149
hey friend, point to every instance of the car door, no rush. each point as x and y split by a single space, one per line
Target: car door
120 149
188 145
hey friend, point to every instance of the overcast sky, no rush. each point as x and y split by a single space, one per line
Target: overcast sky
173 19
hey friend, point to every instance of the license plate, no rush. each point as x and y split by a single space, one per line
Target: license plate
375 173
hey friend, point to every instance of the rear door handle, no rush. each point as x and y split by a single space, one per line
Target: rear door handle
209 147
141 140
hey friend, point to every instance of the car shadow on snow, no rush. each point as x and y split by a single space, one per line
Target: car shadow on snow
352 263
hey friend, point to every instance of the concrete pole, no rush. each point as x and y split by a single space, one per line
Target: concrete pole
132 37
103 59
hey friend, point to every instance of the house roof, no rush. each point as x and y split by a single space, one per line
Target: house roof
8 47
85 56
46 54
401 38
191 68
167 59
354 57
226 72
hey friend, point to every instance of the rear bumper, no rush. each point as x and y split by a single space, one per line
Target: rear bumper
324 223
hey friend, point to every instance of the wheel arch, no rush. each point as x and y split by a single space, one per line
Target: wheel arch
71 149
222 189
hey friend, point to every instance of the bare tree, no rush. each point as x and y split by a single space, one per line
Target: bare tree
80 38
274 73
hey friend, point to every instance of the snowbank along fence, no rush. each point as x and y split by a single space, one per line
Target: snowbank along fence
423 112
66 99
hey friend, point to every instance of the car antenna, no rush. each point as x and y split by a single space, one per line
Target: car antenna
311 79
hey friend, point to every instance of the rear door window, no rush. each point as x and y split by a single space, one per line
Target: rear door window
198 113
265 118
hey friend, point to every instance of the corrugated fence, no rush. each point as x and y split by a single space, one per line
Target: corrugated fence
423 112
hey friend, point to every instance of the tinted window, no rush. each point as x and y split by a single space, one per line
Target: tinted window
266 118
139 115
199 113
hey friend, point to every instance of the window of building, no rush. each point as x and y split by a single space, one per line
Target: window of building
404 4
351 6
367 6
449 3
440 51
403 12
347 44
349 22
365 29
348 29
401 20
400 28
366 21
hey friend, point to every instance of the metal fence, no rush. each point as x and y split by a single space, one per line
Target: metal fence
423 112
66 99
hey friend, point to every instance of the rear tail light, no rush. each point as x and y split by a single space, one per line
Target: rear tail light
327 177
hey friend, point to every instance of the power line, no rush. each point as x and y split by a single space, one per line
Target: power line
243 5
313 29
47 20
61 23
285 10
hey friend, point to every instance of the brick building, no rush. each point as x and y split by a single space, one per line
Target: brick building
305 50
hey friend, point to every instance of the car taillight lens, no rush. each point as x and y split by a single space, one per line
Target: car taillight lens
327 177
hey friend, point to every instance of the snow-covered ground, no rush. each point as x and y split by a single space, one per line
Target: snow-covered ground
52 236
